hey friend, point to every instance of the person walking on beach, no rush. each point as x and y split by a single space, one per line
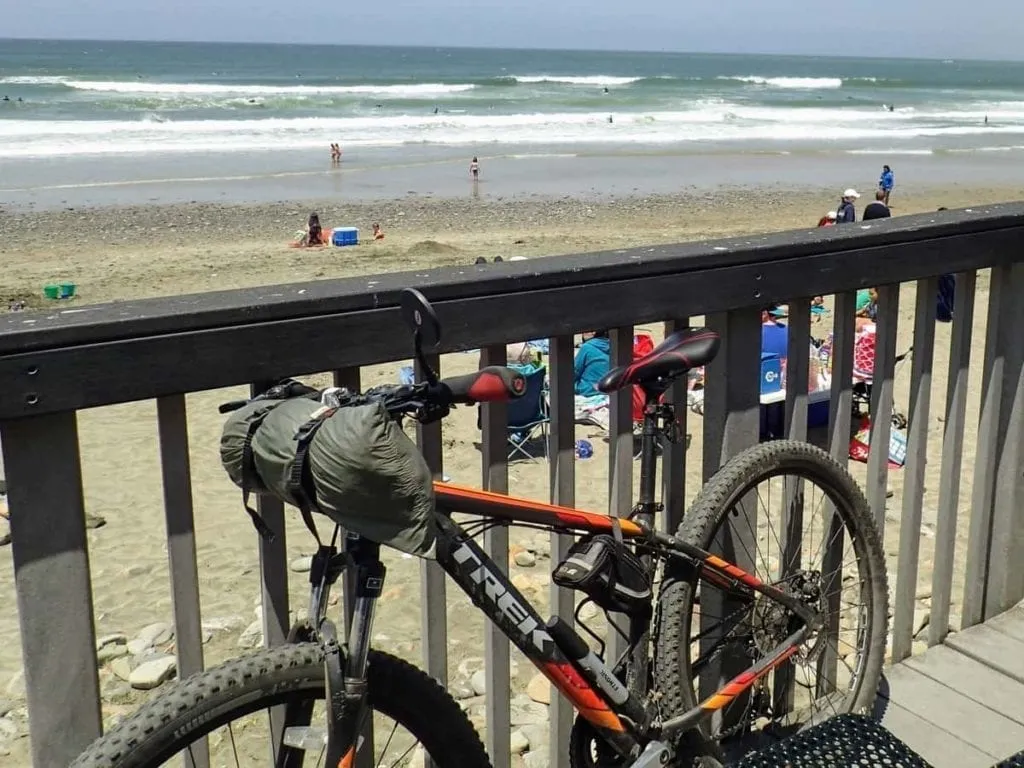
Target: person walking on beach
886 182
846 213
474 169
877 209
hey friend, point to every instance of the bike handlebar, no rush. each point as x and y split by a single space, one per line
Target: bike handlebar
492 384
424 401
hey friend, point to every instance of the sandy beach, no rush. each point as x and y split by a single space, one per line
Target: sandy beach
117 253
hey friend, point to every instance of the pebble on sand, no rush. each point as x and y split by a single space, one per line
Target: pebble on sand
479 682
302 564
525 559
518 743
152 673
539 689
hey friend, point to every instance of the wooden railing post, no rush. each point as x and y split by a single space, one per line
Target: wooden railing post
494 423
51 574
952 456
172 422
1005 587
620 464
732 421
917 459
562 458
882 402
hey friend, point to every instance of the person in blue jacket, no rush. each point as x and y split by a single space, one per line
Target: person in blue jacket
593 359
886 182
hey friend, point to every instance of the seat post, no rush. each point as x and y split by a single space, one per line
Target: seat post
648 457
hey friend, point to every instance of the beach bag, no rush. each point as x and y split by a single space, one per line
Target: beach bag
353 464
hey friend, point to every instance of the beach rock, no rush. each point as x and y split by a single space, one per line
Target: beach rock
479 682
539 736
461 691
206 636
116 638
157 634
252 636
152 673
527 712
5 707
539 689
122 667
8 729
301 564
922 619
525 559
138 646
110 652
223 623
536 758
116 691
518 743
589 611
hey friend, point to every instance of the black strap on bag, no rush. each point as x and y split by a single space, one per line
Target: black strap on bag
300 483
251 480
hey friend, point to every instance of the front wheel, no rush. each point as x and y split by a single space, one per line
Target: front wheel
223 710
790 514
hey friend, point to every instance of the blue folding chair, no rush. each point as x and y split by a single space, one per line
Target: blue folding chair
527 415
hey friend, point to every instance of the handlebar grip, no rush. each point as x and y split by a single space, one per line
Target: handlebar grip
492 384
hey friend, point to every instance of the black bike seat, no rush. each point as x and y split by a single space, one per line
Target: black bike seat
677 354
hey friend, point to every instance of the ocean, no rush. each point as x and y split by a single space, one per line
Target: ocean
135 99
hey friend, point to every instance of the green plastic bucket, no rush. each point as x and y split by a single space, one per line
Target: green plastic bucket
67 290
51 291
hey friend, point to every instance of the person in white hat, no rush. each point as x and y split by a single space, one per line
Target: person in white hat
846 212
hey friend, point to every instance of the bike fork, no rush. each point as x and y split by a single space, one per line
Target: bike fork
345 673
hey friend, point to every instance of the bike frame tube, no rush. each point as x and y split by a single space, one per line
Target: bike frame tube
492 592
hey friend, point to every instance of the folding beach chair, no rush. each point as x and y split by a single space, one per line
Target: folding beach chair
527 416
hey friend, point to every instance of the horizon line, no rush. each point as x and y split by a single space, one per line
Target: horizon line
513 48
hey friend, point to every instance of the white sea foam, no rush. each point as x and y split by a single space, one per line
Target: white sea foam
228 89
706 121
789 82
595 80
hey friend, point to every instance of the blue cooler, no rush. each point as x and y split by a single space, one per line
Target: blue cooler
771 373
342 236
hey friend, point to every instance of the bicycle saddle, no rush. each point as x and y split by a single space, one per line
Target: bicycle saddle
677 354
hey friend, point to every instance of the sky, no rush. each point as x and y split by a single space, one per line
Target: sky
981 29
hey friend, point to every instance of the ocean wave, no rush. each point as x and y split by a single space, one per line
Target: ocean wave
596 80
787 82
133 87
33 80
706 121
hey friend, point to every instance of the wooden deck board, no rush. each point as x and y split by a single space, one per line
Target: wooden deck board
1010 623
976 725
936 745
972 679
992 648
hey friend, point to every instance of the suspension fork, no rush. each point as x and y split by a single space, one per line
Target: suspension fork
345 672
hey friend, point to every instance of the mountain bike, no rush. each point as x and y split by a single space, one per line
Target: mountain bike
717 653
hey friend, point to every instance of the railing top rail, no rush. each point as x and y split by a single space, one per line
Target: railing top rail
21 333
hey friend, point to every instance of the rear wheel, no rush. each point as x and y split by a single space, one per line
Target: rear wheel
223 710
814 538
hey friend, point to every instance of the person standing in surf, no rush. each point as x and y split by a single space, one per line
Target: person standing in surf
886 182
474 169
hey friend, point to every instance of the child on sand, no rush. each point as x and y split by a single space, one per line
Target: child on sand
378 233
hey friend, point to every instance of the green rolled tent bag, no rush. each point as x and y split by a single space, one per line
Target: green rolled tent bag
356 466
